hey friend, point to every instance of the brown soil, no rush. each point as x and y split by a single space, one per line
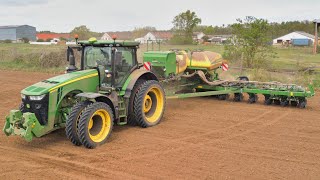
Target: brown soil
199 138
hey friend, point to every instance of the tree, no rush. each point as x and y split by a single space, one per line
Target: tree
205 38
251 40
7 41
25 40
142 31
82 31
184 25
208 30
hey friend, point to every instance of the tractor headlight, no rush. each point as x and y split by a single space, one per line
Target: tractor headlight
37 98
23 96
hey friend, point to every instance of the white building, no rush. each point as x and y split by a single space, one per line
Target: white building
198 36
155 36
106 36
121 35
294 35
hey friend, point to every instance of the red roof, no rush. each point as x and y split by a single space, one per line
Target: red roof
162 34
46 36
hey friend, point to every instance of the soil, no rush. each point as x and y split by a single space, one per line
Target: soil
199 138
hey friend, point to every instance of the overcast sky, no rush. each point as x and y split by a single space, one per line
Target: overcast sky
120 15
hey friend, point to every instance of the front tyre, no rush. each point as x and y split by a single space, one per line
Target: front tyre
149 104
73 120
95 124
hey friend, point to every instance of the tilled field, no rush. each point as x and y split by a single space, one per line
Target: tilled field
199 138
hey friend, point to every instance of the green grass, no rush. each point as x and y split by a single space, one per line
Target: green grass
295 58
52 58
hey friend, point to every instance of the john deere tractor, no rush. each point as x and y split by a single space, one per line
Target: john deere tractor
108 87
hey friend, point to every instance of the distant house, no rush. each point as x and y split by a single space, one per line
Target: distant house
218 39
155 36
121 35
287 39
53 36
197 36
17 33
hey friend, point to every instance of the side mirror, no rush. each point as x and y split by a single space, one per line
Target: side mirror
72 64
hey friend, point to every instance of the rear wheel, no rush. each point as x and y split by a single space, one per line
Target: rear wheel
253 98
223 97
276 102
149 104
238 97
95 124
294 103
131 115
302 103
72 122
267 100
284 102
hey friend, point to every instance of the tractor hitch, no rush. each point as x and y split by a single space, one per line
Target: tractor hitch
22 124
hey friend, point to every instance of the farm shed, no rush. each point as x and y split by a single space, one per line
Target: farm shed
17 33
294 35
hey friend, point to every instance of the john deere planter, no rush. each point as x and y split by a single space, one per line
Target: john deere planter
109 87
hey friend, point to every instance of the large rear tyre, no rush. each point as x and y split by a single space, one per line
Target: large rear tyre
131 115
149 104
72 122
95 124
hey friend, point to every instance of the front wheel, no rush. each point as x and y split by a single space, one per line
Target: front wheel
95 124
149 104
73 120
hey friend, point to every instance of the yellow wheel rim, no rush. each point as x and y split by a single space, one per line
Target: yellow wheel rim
153 104
99 125
147 103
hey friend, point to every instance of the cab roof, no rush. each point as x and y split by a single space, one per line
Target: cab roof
109 43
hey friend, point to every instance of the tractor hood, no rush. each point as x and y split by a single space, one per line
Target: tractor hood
54 83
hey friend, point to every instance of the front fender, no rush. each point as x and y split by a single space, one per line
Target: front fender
111 100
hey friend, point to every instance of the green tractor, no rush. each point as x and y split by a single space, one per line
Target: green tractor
108 87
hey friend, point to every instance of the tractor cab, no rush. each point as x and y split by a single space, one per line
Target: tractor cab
115 60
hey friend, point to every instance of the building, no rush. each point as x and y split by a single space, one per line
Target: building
53 36
121 35
197 36
17 33
155 36
218 39
287 39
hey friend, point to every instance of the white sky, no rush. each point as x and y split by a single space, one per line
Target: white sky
120 15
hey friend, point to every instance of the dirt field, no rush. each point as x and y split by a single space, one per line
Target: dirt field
199 138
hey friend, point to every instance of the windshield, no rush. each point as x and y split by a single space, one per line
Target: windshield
97 55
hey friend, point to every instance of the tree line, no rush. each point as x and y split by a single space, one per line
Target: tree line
186 23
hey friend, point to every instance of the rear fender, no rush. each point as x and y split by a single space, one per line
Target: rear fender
133 78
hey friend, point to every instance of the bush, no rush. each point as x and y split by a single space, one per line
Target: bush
25 40
180 40
7 41
205 38
48 40
40 40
